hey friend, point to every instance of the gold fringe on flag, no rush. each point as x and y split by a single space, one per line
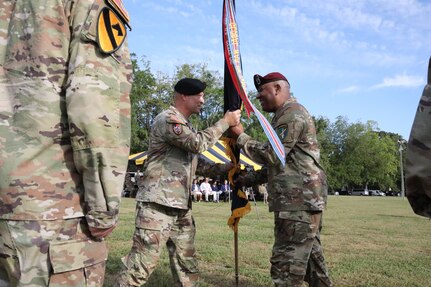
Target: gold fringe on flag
239 207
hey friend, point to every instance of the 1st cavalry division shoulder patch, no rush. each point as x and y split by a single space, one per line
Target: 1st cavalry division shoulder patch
111 31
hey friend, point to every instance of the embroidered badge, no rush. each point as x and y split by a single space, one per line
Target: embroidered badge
257 80
282 133
177 129
111 31
119 7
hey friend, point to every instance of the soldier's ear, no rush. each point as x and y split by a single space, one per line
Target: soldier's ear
277 87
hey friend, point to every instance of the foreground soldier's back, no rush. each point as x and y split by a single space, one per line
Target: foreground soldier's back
418 157
64 139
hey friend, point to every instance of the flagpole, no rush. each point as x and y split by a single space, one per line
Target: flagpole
236 255
255 205
234 87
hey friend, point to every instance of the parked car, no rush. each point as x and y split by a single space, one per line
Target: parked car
393 193
342 192
375 192
360 192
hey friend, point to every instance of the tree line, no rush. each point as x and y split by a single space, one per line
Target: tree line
354 155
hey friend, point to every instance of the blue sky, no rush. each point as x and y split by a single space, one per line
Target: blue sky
366 60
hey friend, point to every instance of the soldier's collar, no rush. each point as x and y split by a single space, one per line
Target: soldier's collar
281 109
181 117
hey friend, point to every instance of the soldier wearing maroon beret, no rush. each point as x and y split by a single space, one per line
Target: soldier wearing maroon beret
297 192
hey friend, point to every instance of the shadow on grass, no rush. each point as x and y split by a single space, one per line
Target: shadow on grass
162 277
398 216
214 280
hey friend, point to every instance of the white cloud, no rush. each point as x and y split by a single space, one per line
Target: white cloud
401 81
355 15
194 55
182 8
348 90
214 41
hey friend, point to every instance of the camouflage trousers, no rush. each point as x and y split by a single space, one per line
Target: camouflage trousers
50 253
155 226
297 254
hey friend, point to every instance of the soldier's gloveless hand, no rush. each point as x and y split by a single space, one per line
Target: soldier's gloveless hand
235 131
232 118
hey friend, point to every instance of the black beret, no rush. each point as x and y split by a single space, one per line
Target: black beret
271 77
189 86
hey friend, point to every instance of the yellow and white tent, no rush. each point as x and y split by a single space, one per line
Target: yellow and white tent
215 154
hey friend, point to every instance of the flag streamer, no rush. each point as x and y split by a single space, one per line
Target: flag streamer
233 64
273 138
232 53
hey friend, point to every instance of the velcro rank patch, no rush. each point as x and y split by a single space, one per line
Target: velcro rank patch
111 31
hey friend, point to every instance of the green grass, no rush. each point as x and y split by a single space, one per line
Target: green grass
368 241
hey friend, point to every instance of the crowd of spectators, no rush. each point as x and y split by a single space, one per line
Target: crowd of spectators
202 189
210 190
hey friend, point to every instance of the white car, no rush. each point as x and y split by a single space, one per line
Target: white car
360 192
376 193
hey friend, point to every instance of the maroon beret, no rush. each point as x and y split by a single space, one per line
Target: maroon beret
271 77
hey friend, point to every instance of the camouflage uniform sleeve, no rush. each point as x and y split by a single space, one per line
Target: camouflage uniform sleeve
181 135
98 110
261 153
212 170
288 128
253 177
418 156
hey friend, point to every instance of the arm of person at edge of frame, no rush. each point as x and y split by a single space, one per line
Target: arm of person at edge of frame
100 149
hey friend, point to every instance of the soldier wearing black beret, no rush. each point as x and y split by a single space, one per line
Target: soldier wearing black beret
164 197
189 86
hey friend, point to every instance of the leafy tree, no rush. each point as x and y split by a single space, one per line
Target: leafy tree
353 154
149 96
377 155
326 149
212 110
360 156
142 88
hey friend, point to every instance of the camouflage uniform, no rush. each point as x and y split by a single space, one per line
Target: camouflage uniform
163 212
64 136
296 194
418 157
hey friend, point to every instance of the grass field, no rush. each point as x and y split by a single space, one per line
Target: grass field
368 241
